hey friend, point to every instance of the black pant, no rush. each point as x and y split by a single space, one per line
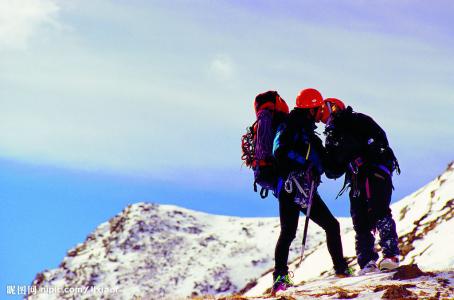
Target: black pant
370 196
289 213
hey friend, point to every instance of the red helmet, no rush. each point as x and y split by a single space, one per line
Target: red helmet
309 98
335 103
330 105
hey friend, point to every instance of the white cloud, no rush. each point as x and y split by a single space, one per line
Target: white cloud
122 93
222 67
20 19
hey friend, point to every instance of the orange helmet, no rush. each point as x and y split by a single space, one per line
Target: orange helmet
309 98
330 105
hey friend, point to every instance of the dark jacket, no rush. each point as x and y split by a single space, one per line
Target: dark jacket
296 146
354 139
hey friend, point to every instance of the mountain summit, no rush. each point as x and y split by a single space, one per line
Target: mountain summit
151 251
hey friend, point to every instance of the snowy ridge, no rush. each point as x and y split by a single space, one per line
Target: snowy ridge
151 251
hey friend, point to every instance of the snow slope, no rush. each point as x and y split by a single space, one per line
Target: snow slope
409 282
425 226
151 251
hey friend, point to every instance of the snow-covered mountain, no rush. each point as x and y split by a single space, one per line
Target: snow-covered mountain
163 251
151 251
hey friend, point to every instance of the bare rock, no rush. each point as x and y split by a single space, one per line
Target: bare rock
408 272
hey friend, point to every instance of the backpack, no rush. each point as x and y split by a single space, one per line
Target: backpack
257 144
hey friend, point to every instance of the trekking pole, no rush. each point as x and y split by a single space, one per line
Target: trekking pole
306 224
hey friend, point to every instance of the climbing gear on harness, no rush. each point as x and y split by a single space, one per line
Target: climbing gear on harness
302 188
355 164
302 181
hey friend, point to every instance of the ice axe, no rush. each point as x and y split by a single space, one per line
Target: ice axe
306 223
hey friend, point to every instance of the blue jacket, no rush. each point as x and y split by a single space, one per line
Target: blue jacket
296 147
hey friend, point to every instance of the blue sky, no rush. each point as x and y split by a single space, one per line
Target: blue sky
107 103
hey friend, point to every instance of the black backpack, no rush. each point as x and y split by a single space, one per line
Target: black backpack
257 144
